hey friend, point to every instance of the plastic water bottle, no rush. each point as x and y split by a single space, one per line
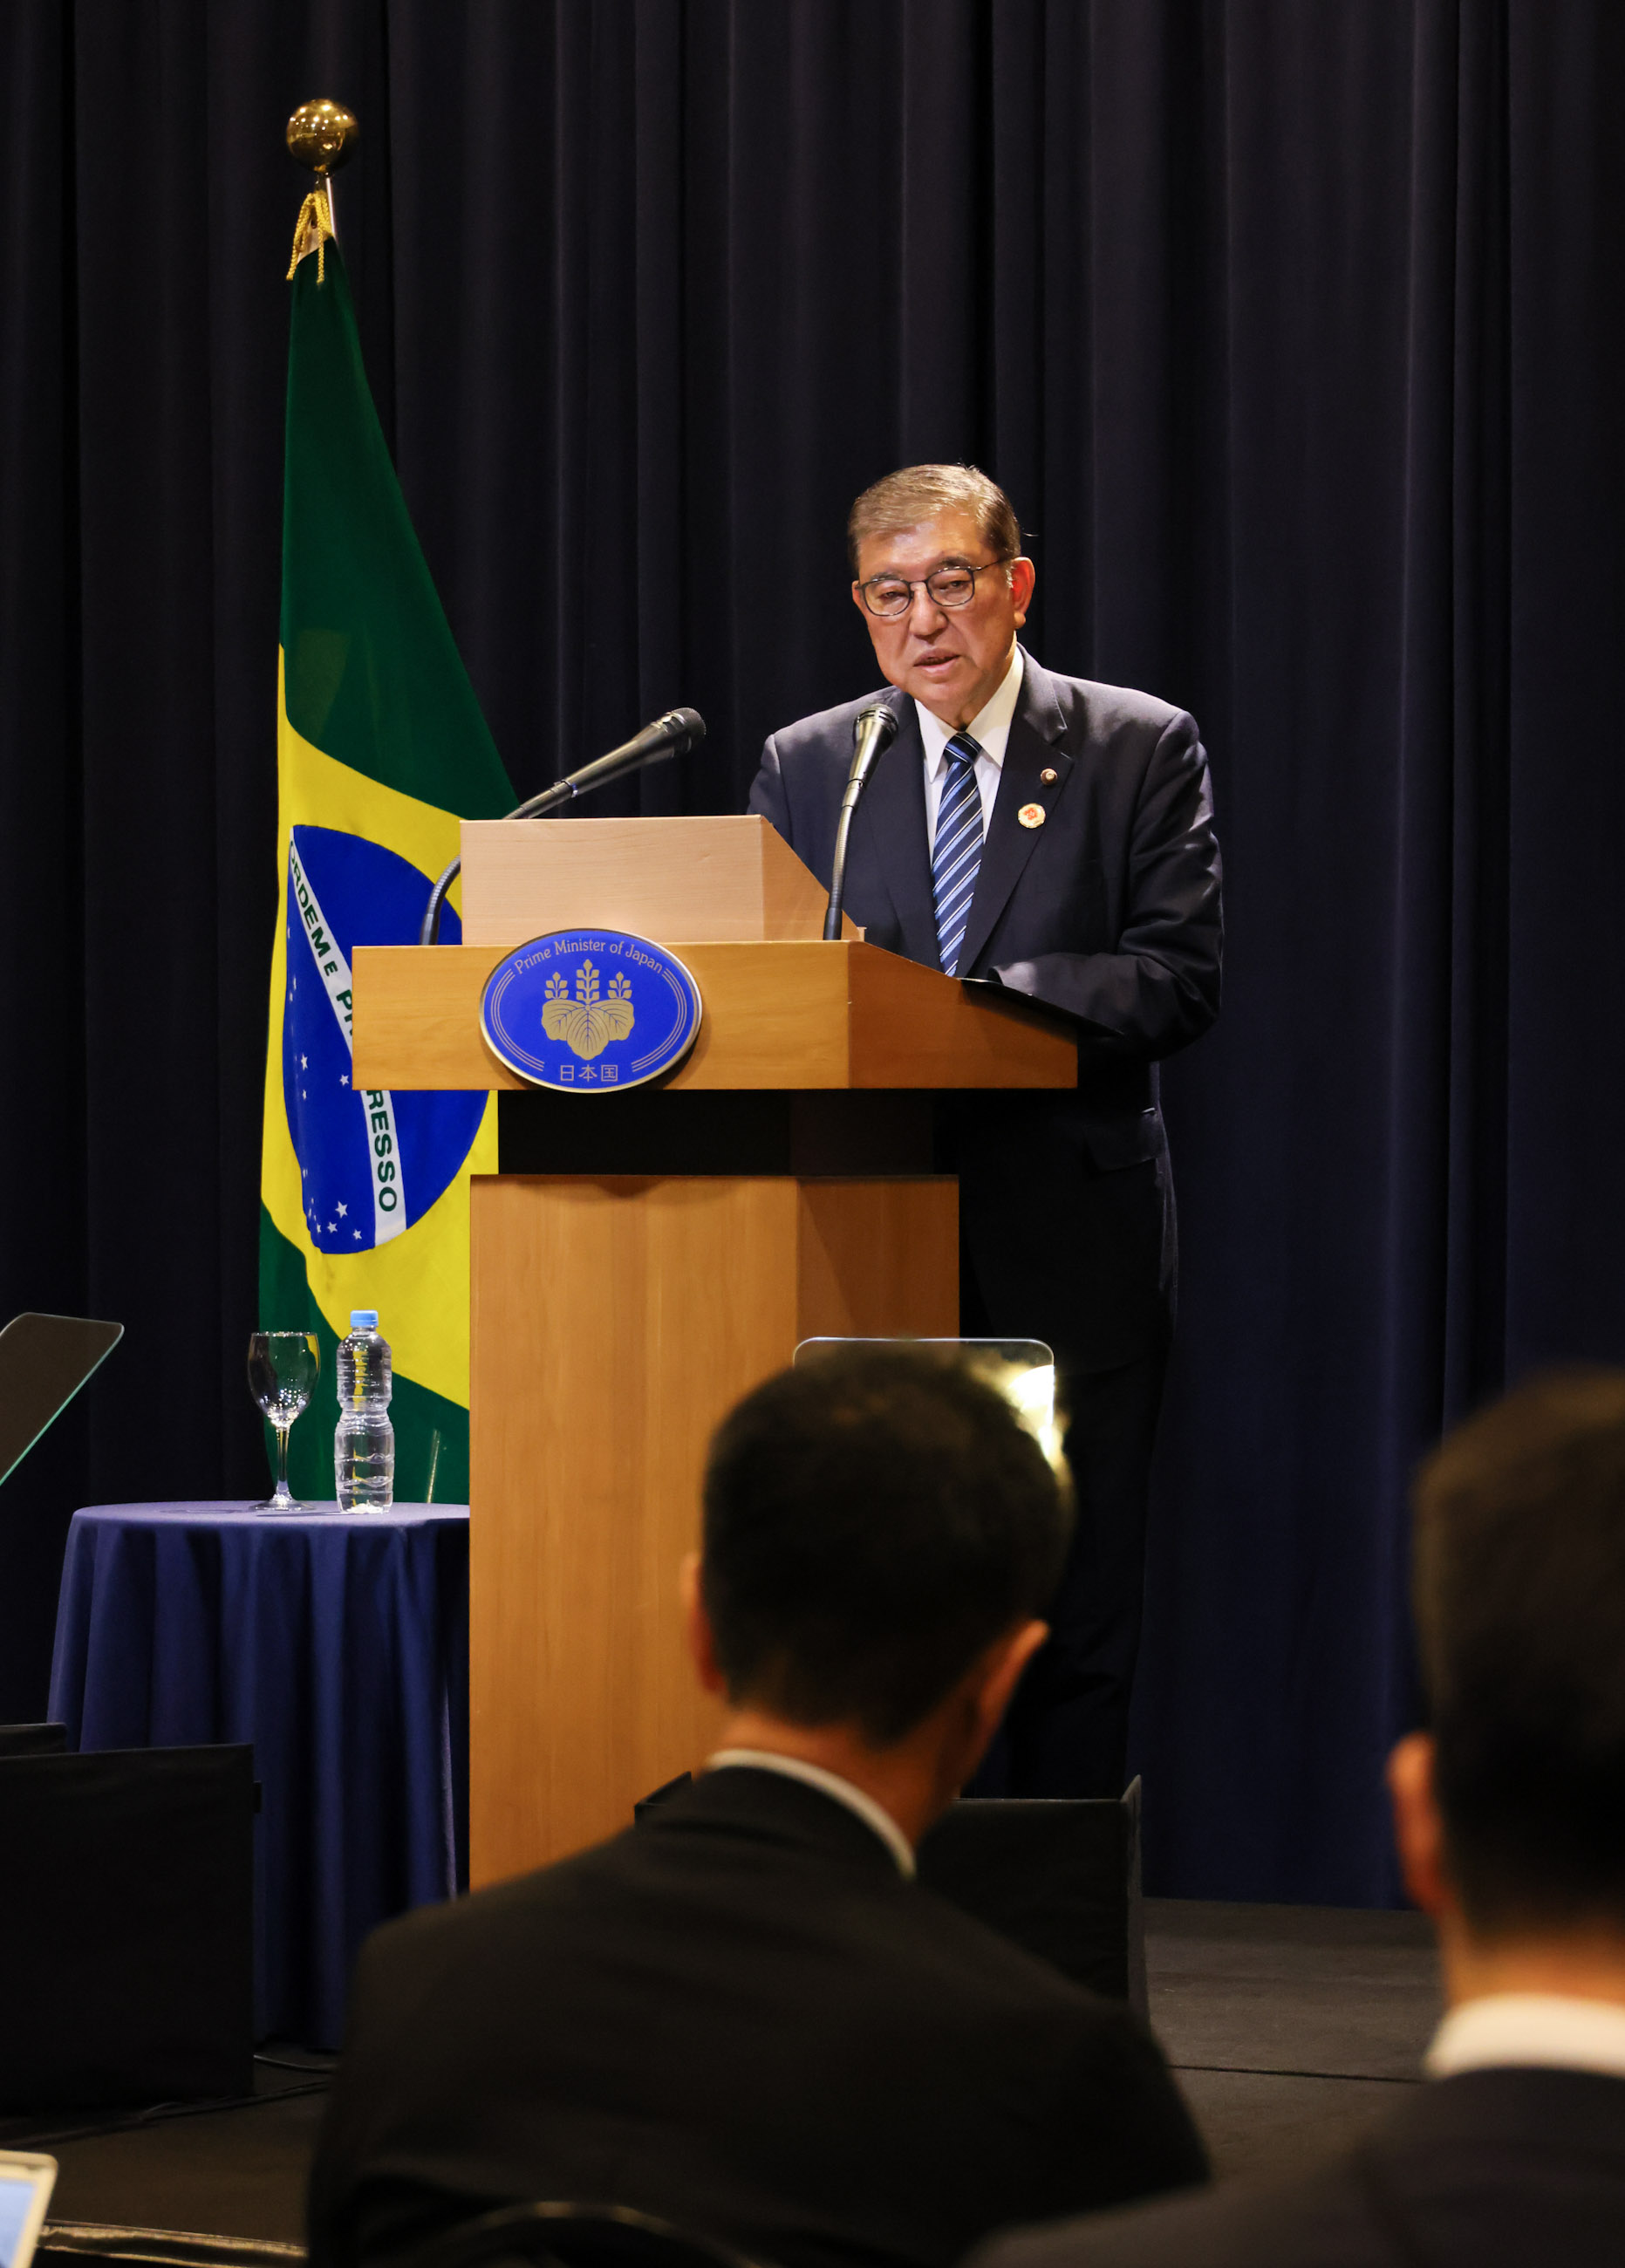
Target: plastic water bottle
363 1446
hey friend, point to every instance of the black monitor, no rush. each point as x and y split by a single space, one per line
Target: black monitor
44 1361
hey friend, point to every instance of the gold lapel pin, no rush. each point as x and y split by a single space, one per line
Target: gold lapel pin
1049 775
1031 814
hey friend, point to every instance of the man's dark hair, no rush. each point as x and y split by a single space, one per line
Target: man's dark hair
873 1520
1519 1595
917 493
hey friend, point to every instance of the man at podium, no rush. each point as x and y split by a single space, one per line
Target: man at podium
1054 837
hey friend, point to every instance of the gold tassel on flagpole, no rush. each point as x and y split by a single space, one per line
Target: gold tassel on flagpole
310 233
322 136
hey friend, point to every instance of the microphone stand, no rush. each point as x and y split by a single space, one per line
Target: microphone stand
837 873
874 731
539 808
677 731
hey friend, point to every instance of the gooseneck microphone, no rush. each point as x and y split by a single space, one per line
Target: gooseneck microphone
670 735
872 735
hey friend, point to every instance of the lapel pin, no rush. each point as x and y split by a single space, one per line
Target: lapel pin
1049 775
1031 814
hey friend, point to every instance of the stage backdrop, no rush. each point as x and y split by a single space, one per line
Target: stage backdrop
1294 333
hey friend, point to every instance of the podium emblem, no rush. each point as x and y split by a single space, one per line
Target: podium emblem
586 1024
590 1011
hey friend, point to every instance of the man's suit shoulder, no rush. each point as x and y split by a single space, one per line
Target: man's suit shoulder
407 1961
1496 2165
1314 2221
926 1940
1086 707
971 1962
830 730
926 1949
1088 2059
1104 711
1006 1967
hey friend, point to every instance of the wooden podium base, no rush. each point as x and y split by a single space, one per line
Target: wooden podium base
615 1319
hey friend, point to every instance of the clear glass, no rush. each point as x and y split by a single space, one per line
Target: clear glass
949 587
283 1370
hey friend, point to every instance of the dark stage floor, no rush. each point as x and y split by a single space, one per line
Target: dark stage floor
1291 2028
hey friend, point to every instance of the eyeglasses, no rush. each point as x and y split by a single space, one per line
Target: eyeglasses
950 587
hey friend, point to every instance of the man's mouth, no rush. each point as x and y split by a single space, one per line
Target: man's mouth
936 660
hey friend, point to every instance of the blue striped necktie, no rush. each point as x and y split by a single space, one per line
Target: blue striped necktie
956 855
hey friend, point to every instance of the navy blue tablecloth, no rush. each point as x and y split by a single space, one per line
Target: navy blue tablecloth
338 1644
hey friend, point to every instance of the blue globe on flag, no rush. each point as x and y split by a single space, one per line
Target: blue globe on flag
371 1163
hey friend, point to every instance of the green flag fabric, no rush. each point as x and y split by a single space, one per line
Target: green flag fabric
381 749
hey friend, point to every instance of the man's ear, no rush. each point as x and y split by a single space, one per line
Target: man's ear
1023 576
698 1624
1418 1828
1004 1663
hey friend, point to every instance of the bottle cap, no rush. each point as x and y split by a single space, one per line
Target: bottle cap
363 1319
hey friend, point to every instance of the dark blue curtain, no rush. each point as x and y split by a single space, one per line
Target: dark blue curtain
1293 331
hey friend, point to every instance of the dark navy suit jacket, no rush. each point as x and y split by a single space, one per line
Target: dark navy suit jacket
741 2018
1489 2169
1109 909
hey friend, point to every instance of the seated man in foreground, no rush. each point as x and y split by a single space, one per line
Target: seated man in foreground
1510 1822
747 2017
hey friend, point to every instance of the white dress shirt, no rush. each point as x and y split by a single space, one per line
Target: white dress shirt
989 728
827 1783
1520 2029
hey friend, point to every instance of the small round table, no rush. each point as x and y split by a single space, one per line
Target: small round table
338 1644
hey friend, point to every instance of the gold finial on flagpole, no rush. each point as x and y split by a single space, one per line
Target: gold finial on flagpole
322 136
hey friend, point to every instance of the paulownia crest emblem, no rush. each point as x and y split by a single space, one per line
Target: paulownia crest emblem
587 1024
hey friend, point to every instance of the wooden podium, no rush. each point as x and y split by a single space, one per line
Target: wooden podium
640 1261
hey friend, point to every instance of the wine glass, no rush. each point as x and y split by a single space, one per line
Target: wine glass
283 1370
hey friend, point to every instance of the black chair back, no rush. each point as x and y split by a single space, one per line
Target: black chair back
559 2235
1060 1877
127 1915
34 1739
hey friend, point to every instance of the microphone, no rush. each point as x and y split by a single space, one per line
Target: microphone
873 734
668 736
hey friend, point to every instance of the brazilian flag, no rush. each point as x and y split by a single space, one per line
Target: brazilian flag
381 749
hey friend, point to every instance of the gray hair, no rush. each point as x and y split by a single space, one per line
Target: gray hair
922 492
